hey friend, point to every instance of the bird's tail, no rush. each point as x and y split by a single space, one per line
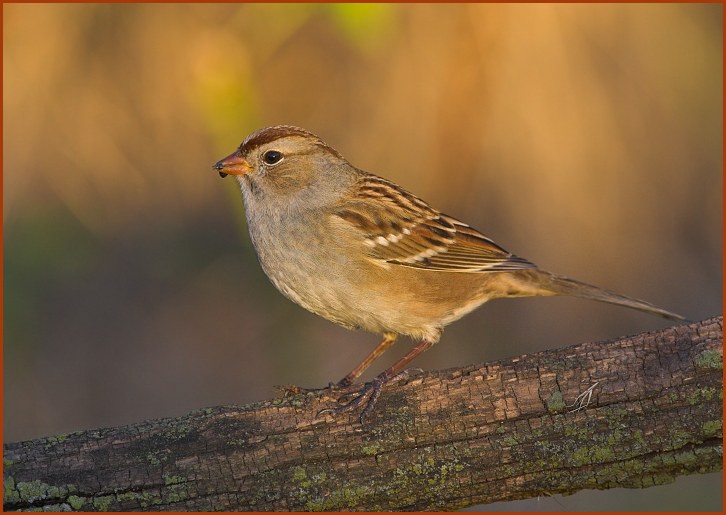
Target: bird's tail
558 285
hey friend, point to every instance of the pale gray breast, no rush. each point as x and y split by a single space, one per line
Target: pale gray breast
299 257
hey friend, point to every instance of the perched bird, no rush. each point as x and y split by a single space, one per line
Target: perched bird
367 254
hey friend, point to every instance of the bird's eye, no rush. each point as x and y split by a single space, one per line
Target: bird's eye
272 157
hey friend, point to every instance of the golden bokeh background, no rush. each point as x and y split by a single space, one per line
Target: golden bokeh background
586 138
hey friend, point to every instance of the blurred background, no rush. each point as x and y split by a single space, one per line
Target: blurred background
584 138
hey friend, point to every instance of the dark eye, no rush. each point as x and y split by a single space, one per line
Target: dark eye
272 157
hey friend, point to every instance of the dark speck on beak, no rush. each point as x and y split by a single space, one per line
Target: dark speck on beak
218 166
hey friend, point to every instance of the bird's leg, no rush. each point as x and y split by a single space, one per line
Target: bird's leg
372 390
388 340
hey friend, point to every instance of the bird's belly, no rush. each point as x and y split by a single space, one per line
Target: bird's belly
419 303
359 293
367 296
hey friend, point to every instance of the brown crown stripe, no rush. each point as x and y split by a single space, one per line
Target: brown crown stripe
270 134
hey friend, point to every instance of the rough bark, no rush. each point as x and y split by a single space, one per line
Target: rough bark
443 440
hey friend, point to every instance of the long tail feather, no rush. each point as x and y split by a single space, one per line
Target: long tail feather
559 285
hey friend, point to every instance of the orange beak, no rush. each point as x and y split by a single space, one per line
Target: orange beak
233 164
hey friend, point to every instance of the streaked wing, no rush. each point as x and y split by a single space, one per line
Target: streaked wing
401 229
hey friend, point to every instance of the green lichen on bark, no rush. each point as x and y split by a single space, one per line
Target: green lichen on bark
709 359
556 402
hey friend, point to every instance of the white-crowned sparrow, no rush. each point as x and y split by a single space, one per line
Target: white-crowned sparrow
365 253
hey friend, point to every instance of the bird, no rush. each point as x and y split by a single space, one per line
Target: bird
365 253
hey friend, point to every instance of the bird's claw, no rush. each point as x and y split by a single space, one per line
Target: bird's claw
370 390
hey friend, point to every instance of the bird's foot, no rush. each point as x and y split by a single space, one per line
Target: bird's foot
370 391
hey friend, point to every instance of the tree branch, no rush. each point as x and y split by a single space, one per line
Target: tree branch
649 410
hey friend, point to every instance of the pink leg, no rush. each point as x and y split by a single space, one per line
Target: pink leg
374 387
388 340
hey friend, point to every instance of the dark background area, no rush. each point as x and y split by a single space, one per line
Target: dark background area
584 138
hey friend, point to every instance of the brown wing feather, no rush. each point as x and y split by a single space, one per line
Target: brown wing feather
401 229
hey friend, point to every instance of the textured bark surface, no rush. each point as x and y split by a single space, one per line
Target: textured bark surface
443 440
